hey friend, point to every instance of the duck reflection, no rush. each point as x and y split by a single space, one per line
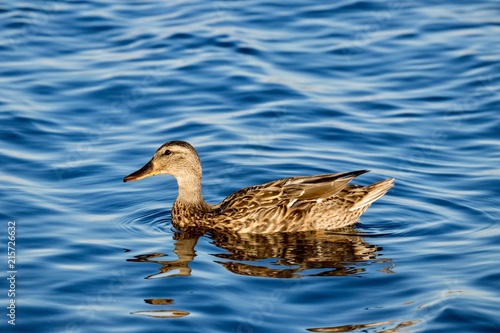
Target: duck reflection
184 245
320 253
280 255
390 326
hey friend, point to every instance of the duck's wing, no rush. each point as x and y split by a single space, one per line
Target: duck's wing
317 187
288 192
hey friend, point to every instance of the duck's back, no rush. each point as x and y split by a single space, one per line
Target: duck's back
320 202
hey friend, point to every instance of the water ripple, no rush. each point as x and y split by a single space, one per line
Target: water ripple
91 89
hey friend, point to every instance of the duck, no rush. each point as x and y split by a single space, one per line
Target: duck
295 204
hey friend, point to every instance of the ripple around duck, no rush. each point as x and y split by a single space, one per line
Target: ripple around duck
156 220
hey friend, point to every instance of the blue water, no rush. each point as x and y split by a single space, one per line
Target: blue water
264 90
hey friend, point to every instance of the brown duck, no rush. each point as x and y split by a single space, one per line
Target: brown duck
322 202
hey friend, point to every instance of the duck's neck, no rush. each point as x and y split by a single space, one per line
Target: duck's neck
190 192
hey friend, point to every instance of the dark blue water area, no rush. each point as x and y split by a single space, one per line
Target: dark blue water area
264 90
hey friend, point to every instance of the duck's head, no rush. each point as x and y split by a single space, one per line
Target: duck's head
176 158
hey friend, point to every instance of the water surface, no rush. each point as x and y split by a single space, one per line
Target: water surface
263 90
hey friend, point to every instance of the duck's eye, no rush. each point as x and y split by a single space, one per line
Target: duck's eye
167 152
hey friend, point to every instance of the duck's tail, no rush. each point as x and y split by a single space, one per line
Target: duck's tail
373 193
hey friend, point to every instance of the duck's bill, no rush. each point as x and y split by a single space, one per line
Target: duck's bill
143 172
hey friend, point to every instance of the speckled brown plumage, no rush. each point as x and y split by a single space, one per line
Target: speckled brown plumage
322 202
